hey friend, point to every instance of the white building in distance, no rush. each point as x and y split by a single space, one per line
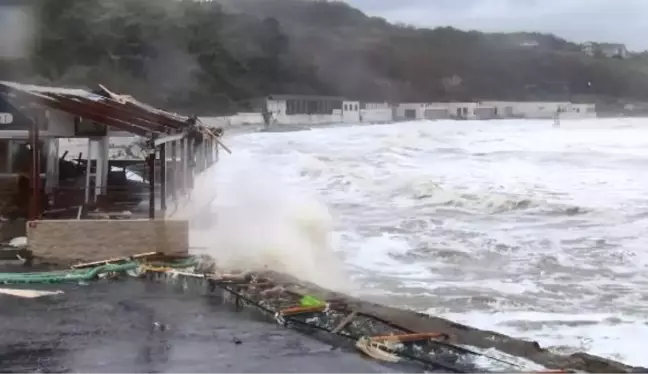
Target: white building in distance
493 109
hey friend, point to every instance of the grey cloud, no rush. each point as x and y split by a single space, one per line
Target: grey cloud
578 20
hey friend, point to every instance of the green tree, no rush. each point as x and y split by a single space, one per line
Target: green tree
214 56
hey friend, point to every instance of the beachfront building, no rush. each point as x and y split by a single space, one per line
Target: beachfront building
371 106
474 110
581 110
71 209
448 110
300 109
436 111
307 110
542 109
351 112
371 113
35 118
410 111
485 110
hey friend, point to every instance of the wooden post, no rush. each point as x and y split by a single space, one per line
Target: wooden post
88 171
163 178
173 181
201 157
191 163
205 152
34 201
197 158
208 151
184 154
100 169
216 150
151 166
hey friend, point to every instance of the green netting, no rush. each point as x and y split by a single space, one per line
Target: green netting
76 275
65 275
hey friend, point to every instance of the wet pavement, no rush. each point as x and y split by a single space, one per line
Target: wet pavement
140 326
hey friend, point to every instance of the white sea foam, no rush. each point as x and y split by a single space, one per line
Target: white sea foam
248 218
502 224
607 334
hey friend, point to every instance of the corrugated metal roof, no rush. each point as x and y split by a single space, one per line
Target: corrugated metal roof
45 90
119 111
129 100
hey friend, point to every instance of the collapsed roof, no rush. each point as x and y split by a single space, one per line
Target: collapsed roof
121 112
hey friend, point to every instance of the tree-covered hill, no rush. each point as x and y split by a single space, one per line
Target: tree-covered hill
211 56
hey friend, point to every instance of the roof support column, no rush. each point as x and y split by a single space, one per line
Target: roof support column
191 163
216 150
34 201
200 157
52 172
88 176
184 170
99 170
101 174
163 179
205 152
217 147
173 181
151 180
209 151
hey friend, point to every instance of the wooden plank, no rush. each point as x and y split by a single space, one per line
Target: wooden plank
28 294
118 259
344 322
217 139
169 138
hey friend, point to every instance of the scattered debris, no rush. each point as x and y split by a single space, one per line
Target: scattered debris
19 242
386 334
378 350
28 294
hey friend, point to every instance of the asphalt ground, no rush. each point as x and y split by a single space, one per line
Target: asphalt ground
141 326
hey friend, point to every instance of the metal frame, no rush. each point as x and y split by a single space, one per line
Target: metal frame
120 112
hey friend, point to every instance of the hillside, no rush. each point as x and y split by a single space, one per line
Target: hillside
212 56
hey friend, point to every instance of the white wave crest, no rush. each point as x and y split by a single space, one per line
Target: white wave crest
247 218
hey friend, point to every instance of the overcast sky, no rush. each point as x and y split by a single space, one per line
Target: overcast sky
623 21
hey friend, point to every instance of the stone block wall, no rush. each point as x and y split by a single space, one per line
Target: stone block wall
69 241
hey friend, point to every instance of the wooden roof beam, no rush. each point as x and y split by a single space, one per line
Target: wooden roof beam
135 112
115 112
71 109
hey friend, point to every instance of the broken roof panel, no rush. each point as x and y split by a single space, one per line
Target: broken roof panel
45 90
120 111
127 99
